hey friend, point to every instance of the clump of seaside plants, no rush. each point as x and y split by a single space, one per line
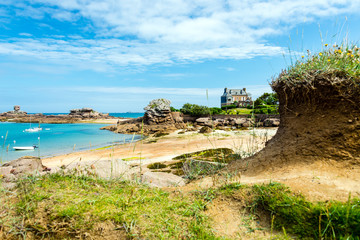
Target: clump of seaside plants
338 64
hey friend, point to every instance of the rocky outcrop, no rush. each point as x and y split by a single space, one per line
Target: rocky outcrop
14 113
75 115
158 118
87 113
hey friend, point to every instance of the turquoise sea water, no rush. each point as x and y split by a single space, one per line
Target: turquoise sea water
127 115
55 139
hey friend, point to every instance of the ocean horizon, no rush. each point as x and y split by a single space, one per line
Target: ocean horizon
56 139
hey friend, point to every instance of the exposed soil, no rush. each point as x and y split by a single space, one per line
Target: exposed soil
319 127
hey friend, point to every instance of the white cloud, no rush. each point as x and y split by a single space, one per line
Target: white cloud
145 32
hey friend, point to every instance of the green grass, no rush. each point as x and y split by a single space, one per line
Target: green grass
238 111
130 158
59 206
294 214
66 207
156 165
101 148
222 155
344 59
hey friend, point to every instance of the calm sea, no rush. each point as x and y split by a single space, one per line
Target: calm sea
55 139
123 115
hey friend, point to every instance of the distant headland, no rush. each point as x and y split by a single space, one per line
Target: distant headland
75 116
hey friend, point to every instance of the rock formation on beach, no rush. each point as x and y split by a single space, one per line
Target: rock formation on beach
158 118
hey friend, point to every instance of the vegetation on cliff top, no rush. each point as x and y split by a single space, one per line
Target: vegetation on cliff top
344 60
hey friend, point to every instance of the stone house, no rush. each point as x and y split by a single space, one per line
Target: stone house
237 97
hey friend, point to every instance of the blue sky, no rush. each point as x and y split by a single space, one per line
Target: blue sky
117 55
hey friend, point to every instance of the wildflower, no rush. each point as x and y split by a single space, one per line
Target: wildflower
351 55
326 44
348 54
302 56
320 54
328 60
349 51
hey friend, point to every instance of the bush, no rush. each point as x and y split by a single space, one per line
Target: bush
194 109
174 109
266 109
216 110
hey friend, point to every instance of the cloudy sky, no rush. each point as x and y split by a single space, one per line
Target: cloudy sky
117 55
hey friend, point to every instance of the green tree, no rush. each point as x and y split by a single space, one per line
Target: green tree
267 99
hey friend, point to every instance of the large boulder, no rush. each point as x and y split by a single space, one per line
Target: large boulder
106 169
205 121
271 122
205 129
162 179
11 171
24 165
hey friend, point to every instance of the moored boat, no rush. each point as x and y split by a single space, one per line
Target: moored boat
24 148
36 129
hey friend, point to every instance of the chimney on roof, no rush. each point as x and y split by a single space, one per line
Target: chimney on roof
225 90
244 89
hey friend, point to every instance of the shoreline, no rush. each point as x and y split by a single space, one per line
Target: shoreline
160 149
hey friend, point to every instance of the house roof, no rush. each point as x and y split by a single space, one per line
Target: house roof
232 92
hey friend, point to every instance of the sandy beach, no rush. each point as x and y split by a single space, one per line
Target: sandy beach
165 148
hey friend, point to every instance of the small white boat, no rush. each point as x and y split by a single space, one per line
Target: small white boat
37 129
24 148
34 129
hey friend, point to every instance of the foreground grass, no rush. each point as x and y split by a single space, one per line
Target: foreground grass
66 206
58 206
